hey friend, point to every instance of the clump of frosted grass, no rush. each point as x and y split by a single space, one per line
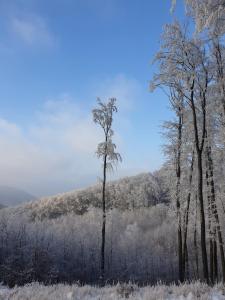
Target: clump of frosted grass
186 291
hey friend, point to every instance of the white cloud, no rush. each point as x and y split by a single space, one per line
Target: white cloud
8 129
126 90
32 30
56 152
53 154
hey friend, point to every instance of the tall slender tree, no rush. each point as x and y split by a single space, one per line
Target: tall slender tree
103 116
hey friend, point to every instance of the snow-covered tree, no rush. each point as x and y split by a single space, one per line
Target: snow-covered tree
103 116
184 68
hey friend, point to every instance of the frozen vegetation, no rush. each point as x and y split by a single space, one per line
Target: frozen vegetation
65 248
141 243
36 291
144 190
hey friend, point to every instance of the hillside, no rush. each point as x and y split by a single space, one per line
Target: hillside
143 190
57 239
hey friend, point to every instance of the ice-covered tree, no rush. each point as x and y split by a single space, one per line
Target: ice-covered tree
184 67
208 14
106 151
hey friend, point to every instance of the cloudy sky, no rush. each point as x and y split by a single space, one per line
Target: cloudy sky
56 58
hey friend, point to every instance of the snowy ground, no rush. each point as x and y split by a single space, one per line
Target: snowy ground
36 291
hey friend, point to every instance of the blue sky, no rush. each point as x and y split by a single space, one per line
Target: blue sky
56 57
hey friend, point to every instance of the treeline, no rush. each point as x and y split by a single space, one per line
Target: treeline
140 246
143 190
192 73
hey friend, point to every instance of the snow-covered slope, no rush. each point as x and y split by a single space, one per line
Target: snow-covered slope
143 190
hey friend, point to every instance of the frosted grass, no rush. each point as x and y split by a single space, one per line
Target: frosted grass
36 291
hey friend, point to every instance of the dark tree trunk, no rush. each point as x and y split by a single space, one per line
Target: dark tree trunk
103 222
202 218
180 256
199 150
211 261
186 218
215 214
215 261
211 237
187 263
220 72
196 244
178 173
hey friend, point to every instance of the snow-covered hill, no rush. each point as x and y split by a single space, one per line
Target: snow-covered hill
143 190
63 241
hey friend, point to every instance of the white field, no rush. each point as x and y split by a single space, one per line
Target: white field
36 291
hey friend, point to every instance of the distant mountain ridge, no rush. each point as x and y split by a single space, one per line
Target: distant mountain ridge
143 190
10 196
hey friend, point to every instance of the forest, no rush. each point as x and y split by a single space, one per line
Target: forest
166 226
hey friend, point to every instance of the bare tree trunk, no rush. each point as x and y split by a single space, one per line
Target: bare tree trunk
215 261
111 250
220 240
215 210
180 256
187 263
103 222
185 253
211 256
178 173
211 261
212 228
186 217
199 149
202 218
220 72
196 244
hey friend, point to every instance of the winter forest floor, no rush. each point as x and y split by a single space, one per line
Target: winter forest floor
36 291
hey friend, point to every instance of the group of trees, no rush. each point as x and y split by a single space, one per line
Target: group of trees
139 246
191 72
58 239
128 193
